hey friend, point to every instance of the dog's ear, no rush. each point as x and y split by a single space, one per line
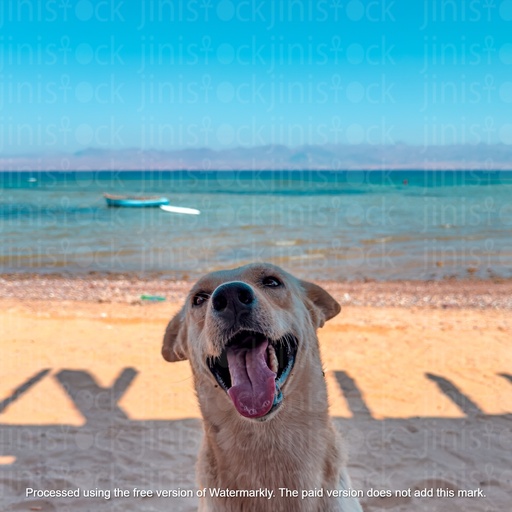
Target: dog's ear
322 306
175 339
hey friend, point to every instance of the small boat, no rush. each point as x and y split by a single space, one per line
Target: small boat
135 201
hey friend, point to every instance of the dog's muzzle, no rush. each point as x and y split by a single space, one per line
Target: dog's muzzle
233 304
253 369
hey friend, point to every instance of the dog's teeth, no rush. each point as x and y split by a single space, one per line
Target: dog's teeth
272 358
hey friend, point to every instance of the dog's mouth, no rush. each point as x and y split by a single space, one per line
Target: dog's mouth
252 369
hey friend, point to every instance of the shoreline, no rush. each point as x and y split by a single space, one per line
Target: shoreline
126 288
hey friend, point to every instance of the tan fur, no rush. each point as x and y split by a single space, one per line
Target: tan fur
296 447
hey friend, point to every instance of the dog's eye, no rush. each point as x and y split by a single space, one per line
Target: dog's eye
271 282
199 298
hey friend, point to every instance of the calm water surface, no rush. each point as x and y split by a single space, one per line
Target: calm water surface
325 225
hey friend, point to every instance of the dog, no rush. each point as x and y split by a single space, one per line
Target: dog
269 443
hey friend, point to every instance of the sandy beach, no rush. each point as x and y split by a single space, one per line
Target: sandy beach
419 377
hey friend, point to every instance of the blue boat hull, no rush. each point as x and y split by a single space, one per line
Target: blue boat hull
136 203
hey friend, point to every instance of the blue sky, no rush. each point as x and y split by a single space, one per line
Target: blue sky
221 74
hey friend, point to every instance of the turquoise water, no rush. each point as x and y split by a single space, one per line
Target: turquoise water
325 225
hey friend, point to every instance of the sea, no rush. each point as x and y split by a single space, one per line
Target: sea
324 225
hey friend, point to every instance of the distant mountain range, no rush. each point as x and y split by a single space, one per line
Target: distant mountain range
273 157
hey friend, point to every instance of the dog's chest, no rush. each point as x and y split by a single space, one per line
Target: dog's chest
266 474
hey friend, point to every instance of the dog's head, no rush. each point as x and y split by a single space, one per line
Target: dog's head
247 329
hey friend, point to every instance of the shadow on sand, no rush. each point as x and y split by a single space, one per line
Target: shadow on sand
110 450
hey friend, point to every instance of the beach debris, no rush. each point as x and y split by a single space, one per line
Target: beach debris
152 298
460 293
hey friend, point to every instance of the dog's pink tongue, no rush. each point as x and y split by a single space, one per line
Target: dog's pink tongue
253 382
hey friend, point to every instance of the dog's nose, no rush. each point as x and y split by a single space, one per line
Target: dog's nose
233 297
